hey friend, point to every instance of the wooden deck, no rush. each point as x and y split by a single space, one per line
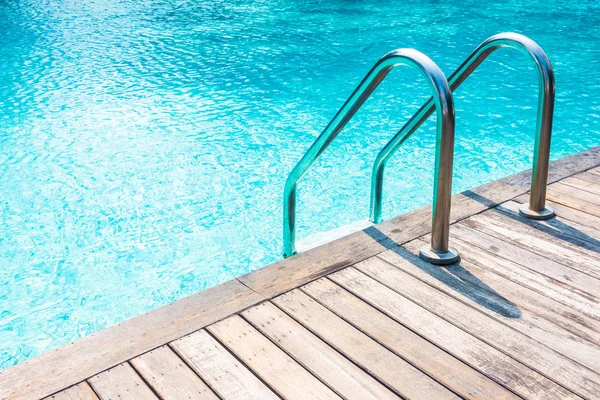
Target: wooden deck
364 318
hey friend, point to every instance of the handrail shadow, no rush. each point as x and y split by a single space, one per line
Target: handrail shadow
456 277
554 227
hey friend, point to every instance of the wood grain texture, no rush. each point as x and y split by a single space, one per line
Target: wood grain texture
426 355
582 184
170 377
75 362
121 382
576 193
82 391
467 344
473 272
568 230
221 370
569 234
482 297
568 213
288 378
574 286
575 312
315 355
548 246
567 200
398 374
589 177
521 347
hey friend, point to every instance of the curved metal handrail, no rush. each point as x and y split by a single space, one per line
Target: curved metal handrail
536 209
441 101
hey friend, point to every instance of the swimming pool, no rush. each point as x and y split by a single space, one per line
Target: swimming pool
145 144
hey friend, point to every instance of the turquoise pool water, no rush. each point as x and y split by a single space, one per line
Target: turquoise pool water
144 144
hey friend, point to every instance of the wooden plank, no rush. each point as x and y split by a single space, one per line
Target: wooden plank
587 176
170 377
219 369
456 340
594 170
482 297
121 382
475 271
320 359
569 234
75 362
281 372
452 341
578 286
536 241
561 228
528 352
407 380
82 391
581 184
568 213
579 306
567 200
575 193
295 271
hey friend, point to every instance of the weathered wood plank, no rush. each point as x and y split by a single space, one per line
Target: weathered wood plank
568 213
559 227
407 380
170 377
281 372
569 234
452 342
219 369
536 241
575 305
466 344
121 382
476 272
587 176
577 286
567 200
320 261
75 362
581 184
594 170
82 391
315 355
489 301
575 193
528 352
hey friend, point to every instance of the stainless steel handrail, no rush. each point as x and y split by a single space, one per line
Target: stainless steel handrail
536 209
441 101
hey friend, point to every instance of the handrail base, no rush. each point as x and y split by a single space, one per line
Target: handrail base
546 213
450 257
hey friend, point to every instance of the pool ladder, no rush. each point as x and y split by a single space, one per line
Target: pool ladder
438 252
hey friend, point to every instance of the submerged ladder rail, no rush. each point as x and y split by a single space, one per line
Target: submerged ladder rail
441 101
536 209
